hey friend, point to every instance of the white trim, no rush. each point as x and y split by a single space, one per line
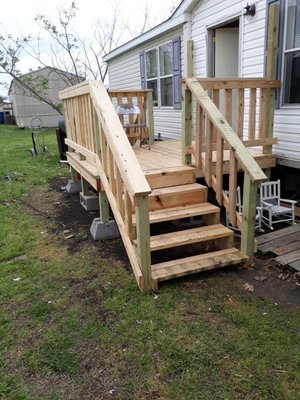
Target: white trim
163 28
285 51
224 20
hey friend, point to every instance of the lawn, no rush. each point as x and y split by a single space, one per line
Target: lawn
73 324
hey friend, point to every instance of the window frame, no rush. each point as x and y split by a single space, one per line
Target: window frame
284 54
159 77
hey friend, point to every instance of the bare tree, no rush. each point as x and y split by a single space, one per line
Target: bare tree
74 57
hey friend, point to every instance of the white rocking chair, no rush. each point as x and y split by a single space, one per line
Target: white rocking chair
270 203
239 209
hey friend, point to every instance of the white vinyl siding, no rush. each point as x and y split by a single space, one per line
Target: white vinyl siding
124 73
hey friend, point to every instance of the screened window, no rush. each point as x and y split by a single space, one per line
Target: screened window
159 74
292 53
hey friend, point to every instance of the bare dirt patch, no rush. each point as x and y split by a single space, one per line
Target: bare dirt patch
72 222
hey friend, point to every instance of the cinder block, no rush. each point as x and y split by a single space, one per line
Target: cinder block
89 202
104 230
73 187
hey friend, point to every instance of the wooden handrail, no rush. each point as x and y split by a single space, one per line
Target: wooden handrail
124 156
215 137
96 134
247 162
238 83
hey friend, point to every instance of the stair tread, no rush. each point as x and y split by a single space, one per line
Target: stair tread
189 236
170 176
198 263
180 168
178 189
179 212
173 213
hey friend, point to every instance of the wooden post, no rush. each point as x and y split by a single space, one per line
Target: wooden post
84 187
150 116
103 202
74 175
143 239
187 115
273 31
189 58
249 214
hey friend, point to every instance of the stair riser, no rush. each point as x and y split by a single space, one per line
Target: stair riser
205 245
173 178
201 268
168 200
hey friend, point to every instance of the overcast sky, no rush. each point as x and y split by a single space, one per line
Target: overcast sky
17 17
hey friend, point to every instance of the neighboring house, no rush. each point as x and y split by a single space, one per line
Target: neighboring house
49 82
226 43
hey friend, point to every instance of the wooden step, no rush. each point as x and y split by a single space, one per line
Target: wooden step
174 196
189 236
193 210
194 264
172 176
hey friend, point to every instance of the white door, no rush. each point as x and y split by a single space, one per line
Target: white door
226 62
226 53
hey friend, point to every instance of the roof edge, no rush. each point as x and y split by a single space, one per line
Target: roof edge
166 26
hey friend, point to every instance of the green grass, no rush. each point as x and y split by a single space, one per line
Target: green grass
75 326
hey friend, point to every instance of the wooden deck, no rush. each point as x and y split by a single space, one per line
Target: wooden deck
166 154
283 245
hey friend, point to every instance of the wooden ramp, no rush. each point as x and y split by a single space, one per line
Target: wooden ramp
284 245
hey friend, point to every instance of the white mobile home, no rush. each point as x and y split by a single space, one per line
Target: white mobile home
229 40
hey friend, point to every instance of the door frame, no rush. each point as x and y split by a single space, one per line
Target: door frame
210 57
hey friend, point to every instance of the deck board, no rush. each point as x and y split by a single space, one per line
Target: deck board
167 154
284 244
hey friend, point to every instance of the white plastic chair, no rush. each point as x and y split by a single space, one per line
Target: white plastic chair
272 210
239 209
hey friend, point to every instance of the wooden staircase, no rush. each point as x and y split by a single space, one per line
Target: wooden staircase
151 205
212 241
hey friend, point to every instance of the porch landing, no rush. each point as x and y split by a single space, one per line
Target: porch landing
166 154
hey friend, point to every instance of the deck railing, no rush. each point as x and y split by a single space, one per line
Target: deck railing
140 97
214 135
95 132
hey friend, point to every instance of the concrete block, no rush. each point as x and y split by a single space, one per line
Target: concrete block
89 202
73 187
104 230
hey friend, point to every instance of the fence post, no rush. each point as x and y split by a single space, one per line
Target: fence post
249 215
143 239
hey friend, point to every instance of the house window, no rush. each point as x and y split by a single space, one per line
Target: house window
159 74
291 93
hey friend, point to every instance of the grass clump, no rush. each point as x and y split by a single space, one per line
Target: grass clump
74 325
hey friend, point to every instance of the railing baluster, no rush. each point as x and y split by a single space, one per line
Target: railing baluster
208 153
233 165
199 137
216 100
240 114
219 169
128 215
263 117
228 106
119 186
252 114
